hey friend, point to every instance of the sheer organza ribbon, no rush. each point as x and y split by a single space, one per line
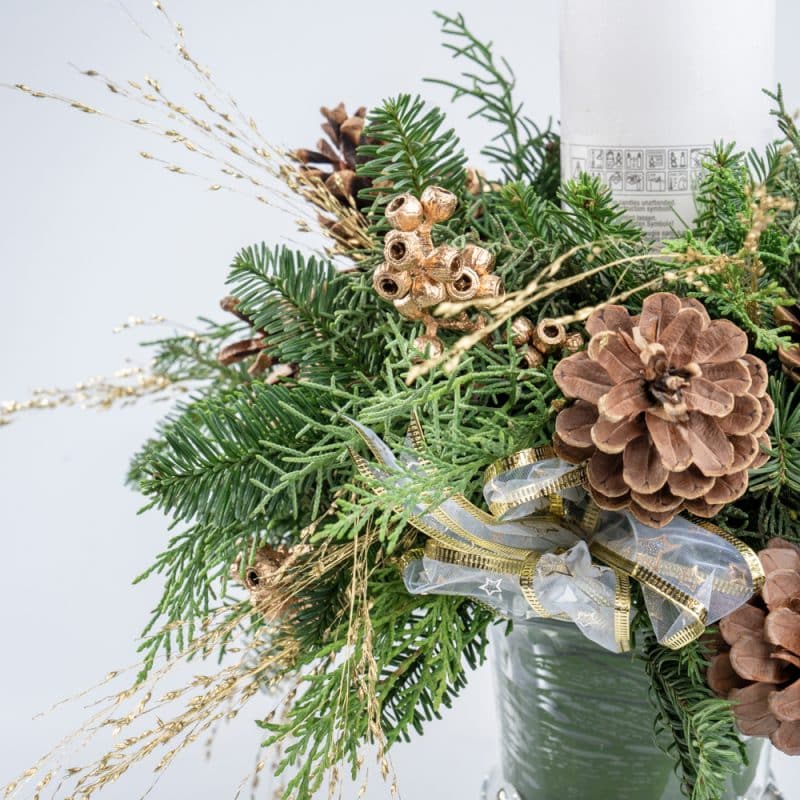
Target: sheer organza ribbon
547 551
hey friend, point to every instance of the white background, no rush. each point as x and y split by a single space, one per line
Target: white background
90 233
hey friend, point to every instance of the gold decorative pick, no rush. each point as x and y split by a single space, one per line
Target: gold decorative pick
416 276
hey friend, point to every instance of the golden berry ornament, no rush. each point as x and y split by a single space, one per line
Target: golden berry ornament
670 410
416 276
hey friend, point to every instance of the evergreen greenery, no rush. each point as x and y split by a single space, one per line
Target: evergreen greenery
244 462
694 725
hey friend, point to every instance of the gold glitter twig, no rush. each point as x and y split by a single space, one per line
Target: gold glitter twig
123 388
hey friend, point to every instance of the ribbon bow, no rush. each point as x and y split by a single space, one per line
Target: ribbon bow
547 551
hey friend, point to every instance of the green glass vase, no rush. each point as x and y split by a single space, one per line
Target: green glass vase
576 723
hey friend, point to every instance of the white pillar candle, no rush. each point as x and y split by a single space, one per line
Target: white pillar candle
647 87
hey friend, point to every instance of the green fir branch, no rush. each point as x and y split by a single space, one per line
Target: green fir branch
697 726
408 149
313 317
776 485
226 453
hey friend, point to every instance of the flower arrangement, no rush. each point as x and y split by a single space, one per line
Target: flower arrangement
489 394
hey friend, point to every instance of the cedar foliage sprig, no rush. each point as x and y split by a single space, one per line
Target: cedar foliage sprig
421 648
523 150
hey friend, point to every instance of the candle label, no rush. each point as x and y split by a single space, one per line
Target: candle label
655 184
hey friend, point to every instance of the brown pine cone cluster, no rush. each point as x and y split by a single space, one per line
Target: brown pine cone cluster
335 160
670 410
758 666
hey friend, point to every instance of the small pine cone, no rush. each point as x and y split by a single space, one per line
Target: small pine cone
790 356
669 408
252 349
758 660
258 578
239 351
334 161
477 183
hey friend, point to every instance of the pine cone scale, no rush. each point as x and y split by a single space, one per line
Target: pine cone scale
605 474
787 738
690 483
781 587
785 704
708 398
745 450
576 425
752 710
624 400
719 343
613 437
722 677
642 468
751 658
782 628
671 441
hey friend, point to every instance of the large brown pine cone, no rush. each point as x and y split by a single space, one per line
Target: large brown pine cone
335 160
670 409
759 663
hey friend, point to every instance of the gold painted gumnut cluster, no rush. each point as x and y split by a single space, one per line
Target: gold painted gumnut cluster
670 410
534 342
416 276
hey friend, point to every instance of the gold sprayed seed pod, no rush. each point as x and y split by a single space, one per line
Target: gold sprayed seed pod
391 284
478 258
464 286
429 346
409 308
444 263
521 331
427 292
573 342
402 250
405 213
438 204
549 335
491 286
533 358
